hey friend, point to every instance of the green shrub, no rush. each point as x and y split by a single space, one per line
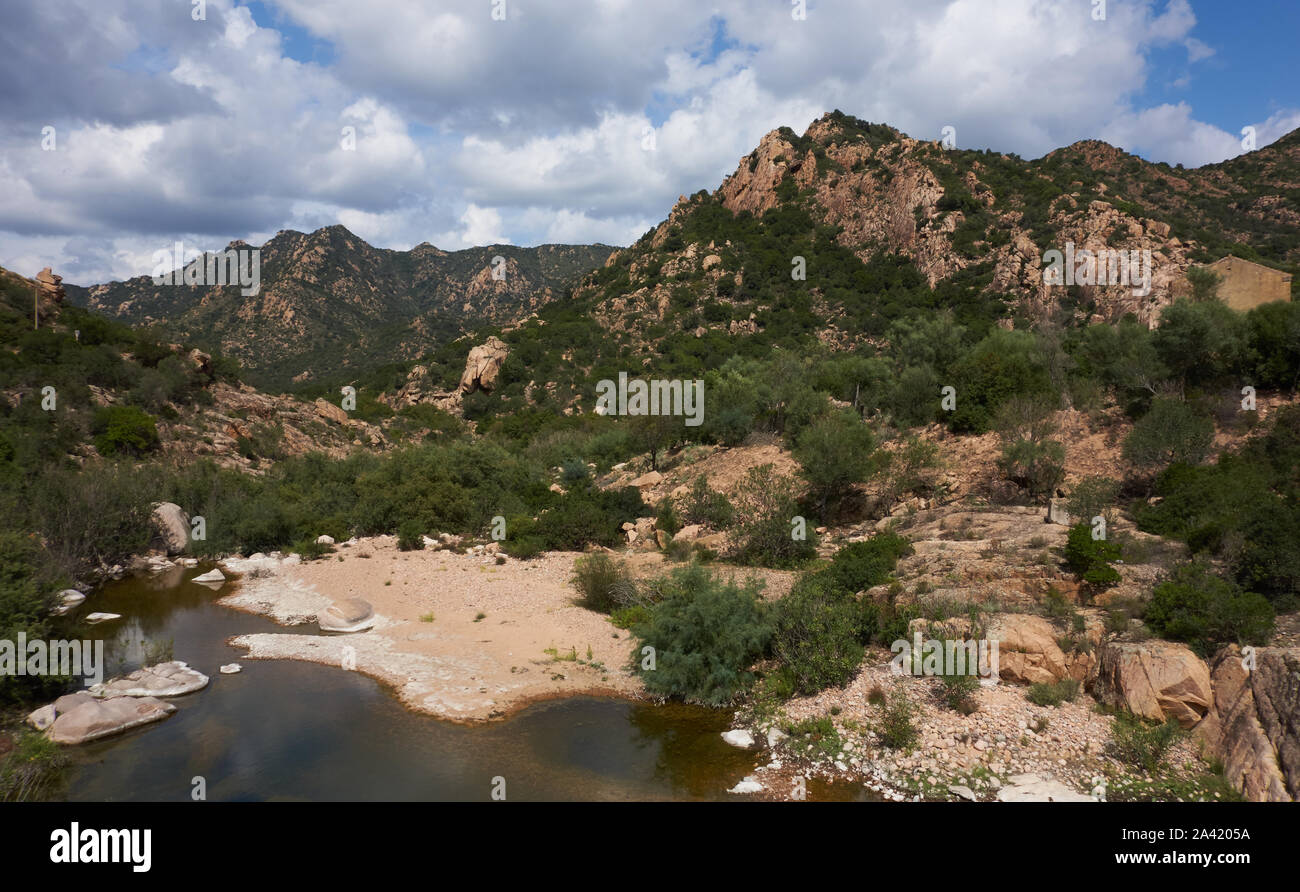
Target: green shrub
896 727
1195 605
666 518
817 635
33 770
1171 431
764 533
603 583
1090 558
706 634
861 565
702 505
311 550
1054 693
410 536
959 691
1141 743
124 430
836 451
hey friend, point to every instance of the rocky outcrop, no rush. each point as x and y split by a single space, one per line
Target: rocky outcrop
1154 679
1253 726
483 365
347 615
173 679
171 527
49 293
81 718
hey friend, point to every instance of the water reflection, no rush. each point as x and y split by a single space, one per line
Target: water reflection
300 731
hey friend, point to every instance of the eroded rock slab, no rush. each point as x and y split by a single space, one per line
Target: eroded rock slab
174 679
81 718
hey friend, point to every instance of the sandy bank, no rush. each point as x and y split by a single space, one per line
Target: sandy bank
457 636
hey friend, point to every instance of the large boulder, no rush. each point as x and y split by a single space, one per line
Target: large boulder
171 527
1154 679
1037 788
483 365
172 679
87 718
1254 725
1027 649
347 615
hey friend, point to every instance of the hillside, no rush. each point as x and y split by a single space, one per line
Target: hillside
332 305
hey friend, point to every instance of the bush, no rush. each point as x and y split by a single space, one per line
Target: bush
1053 694
33 770
959 692
836 451
861 565
311 550
895 727
603 583
1093 497
410 536
1169 432
1141 743
702 505
817 635
1029 458
1201 608
124 430
666 518
765 509
705 635
1090 558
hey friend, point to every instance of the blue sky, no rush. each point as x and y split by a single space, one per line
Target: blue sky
563 120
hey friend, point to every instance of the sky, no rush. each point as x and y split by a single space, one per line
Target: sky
129 125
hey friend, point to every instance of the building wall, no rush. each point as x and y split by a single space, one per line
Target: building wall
1246 285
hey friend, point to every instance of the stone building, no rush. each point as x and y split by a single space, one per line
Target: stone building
1246 285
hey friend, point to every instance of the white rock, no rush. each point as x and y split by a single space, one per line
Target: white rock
231 669
324 540
738 737
210 578
69 600
775 736
95 618
748 785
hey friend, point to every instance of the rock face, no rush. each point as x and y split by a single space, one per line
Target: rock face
49 293
80 718
171 527
331 412
347 615
483 365
1254 724
174 679
1154 679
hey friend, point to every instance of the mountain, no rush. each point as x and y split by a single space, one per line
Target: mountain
331 305
886 225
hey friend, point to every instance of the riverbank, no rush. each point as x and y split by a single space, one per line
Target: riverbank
457 635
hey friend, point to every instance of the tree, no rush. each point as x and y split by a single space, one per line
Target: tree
1196 605
1170 432
1030 458
836 451
1205 283
655 433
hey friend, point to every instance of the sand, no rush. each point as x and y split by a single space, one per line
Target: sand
456 635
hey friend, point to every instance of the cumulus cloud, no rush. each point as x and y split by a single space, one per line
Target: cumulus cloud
570 120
